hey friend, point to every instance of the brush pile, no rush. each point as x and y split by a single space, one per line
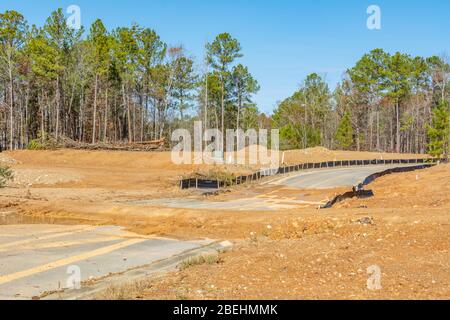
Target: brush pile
155 145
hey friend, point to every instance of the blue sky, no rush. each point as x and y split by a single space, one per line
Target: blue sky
283 41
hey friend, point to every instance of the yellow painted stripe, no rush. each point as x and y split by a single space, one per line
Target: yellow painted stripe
10 231
51 236
58 244
63 262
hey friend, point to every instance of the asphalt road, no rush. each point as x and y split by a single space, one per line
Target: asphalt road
332 178
40 258
318 179
256 203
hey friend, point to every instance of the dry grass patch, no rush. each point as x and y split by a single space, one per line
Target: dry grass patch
6 175
207 259
128 291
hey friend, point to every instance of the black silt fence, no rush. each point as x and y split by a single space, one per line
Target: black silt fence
359 192
217 184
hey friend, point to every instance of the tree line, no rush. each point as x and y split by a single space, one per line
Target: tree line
128 85
386 102
121 85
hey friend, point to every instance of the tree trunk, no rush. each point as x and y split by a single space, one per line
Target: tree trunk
94 121
82 104
106 117
397 118
27 129
206 103
68 121
11 106
142 120
57 109
370 131
181 108
238 120
134 121
127 105
223 116
115 118
41 100
358 143
378 128
21 126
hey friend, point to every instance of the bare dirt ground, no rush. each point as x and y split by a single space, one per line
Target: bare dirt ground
296 253
304 254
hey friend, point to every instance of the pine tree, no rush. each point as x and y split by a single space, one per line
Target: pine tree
344 134
222 52
62 39
243 86
184 83
13 29
100 51
439 131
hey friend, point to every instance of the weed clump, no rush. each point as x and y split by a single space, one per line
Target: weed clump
200 260
6 175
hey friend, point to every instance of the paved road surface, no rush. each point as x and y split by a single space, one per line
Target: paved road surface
256 203
333 178
37 258
311 179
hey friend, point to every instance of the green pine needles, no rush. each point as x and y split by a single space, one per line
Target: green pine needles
344 134
439 131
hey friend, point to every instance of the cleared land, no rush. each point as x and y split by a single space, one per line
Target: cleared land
293 251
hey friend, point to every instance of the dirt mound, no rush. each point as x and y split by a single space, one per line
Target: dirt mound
7 161
320 154
423 188
33 177
94 159
316 151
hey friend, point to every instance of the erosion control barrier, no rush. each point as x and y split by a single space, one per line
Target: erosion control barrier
358 190
199 183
